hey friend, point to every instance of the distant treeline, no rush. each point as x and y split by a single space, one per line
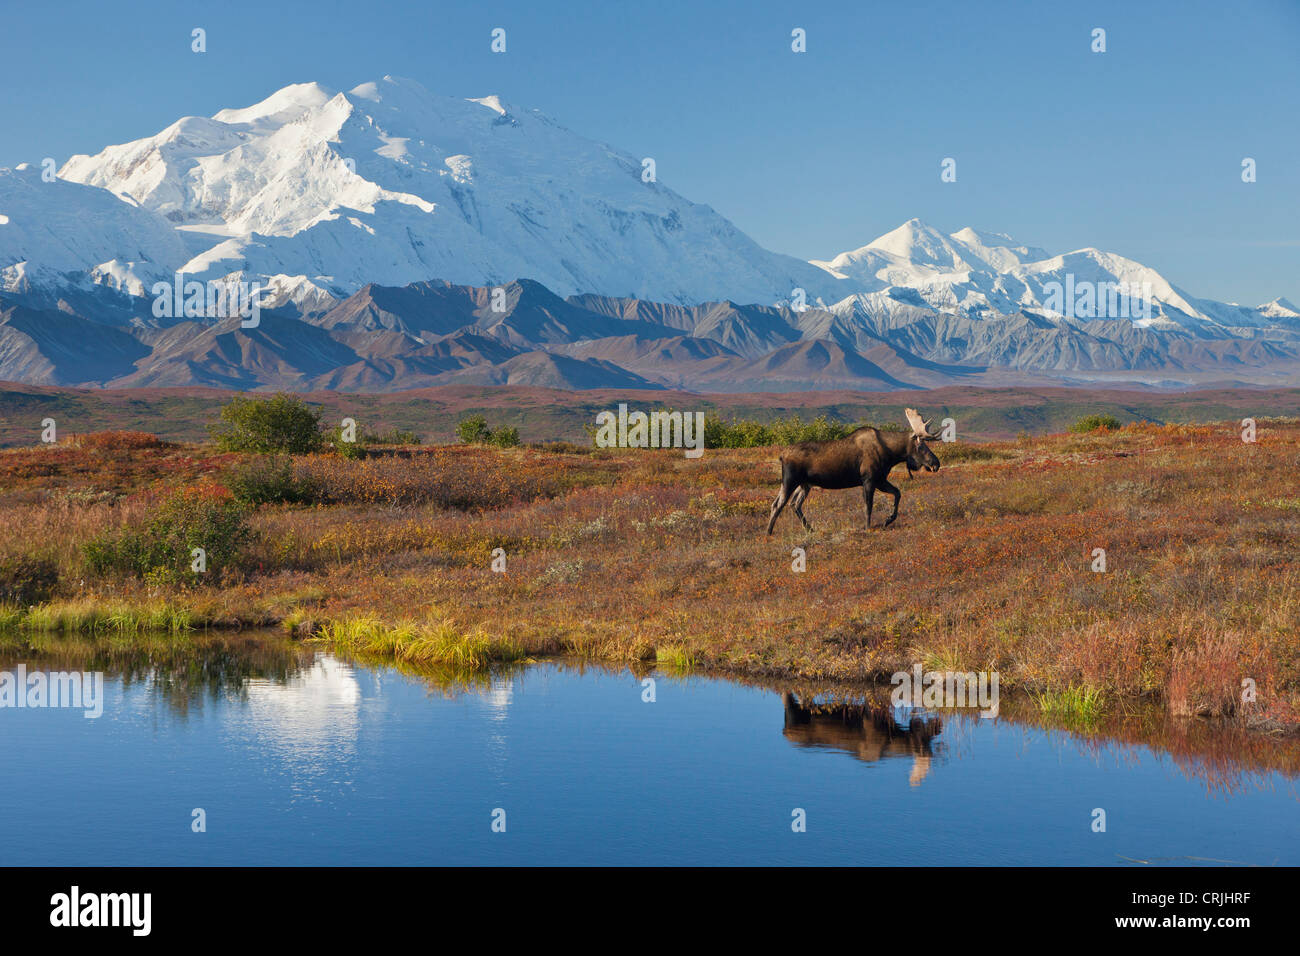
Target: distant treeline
551 415
747 433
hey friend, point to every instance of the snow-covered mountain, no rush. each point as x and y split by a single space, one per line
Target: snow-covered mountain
61 233
989 274
382 218
390 183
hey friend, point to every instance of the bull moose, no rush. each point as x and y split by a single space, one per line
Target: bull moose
861 459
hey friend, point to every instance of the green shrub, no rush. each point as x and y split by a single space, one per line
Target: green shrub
393 436
27 580
747 433
952 452
281 423
204 517
743 433
475 431
269 480
349 449
561 447
736 434
333 440
1095 423
357 447
505 437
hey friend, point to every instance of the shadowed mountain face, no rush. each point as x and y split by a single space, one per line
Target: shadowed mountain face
49 347
387 338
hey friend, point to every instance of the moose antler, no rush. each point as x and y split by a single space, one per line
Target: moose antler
919 428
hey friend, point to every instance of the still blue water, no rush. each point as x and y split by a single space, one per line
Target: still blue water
343 764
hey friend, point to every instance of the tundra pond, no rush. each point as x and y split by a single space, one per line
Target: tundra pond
289 754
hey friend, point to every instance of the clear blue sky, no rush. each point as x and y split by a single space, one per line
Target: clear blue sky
1136 151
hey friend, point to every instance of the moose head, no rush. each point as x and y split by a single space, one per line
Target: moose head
919 456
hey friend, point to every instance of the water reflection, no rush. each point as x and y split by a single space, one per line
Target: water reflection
868 731
315 711
299 700
182 671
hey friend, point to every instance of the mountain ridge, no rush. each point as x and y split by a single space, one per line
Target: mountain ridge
437 333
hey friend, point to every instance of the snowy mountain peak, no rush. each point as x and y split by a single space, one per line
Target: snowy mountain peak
988 274
392 183
975 237
280 107
493 103
916 242
997 250
1280 308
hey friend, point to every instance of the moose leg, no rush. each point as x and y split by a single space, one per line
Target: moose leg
869 497
778 505
796 502
889 489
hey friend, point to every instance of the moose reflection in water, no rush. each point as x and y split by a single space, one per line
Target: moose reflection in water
868 731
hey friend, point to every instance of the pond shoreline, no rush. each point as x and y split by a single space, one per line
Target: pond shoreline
444 648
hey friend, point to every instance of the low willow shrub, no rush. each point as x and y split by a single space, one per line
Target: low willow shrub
162 551
26 580
270 480
1095 423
